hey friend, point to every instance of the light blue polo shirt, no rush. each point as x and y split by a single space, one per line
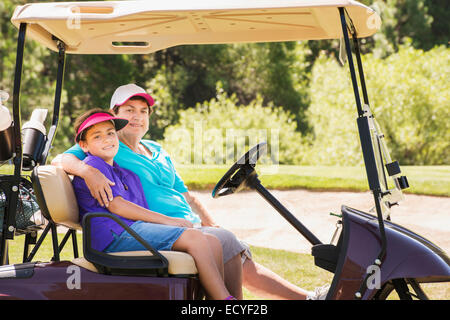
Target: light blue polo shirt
162 185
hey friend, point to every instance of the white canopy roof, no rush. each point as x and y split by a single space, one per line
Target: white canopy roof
115 27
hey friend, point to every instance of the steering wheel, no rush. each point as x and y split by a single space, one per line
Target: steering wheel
233 181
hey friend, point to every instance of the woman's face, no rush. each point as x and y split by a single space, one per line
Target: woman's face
137 114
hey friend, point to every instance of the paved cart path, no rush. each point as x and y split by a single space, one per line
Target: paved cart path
253 220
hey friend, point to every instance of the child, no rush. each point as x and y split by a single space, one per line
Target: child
96 134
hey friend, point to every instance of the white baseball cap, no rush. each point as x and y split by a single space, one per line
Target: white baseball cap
125 92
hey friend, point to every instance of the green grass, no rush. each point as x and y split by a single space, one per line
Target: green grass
45 252
298 268
426 180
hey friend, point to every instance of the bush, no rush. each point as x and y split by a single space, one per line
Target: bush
409 96
219 132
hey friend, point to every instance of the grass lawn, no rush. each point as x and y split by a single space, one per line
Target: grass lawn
426 180
298 268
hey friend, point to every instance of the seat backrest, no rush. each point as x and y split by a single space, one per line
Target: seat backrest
55 196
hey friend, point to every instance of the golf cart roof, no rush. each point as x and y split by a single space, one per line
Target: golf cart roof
116 27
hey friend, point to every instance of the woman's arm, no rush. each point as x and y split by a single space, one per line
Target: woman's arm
200 209
98 184
129 210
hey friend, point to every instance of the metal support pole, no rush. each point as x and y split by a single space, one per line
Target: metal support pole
362 80
350 62
367 148
16 101
57 103
75 243
12 191
54 241
38 243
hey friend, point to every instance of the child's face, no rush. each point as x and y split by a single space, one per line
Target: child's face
101 140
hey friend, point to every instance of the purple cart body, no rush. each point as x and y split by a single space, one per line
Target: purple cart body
408 256
52 281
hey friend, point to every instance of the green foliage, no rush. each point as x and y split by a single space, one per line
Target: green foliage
38 82
402 21
440 27
423 23
409 95
218 131
276 74
246 70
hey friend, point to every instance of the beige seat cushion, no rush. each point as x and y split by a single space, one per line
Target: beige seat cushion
180 263
59 196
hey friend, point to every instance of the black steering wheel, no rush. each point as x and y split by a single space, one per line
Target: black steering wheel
233 181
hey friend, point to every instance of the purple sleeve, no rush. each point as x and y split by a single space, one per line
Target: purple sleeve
86 202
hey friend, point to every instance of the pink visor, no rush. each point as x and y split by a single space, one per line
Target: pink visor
119 123
146 96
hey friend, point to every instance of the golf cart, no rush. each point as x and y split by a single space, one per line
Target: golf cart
370 255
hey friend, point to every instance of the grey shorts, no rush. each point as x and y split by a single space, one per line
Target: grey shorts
231 245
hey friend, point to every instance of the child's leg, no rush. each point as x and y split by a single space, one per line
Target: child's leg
196 244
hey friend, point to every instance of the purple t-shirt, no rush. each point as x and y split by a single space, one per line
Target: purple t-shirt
127 185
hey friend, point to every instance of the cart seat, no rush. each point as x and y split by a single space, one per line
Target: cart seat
57 201
180 263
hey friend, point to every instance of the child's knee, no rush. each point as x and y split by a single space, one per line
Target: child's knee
194 234
195 239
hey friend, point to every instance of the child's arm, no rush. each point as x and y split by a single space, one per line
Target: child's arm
129 210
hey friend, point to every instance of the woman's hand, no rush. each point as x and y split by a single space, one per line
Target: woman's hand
180 222
209 223
98 185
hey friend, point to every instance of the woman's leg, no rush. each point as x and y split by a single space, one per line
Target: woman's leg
232 250
196 244
233 276
232 269
216 249
265 283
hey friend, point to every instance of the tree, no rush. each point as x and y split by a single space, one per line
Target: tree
220 130
409 93
38 72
